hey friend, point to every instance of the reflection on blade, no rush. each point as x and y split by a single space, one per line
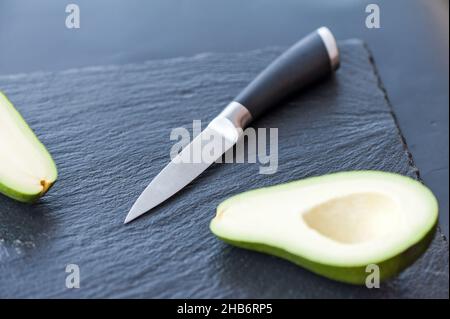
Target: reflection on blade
204 150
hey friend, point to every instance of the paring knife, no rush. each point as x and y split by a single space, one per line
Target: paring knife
310 59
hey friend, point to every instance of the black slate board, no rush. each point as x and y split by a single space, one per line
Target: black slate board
108 130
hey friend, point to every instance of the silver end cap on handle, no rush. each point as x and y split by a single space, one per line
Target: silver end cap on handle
331 46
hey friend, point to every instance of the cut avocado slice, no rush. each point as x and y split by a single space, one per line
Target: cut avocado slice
27 171
335 225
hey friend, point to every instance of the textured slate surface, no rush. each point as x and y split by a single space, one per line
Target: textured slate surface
108 130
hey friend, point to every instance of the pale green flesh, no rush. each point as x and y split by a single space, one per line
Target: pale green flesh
27 170
336 224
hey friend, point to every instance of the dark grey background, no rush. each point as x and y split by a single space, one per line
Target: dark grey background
411 48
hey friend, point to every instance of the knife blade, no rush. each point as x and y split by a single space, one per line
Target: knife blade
307 61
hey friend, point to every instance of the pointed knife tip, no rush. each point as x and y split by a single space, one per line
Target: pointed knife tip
127 220
130 216
134 213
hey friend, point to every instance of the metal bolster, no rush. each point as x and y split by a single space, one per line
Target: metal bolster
237 114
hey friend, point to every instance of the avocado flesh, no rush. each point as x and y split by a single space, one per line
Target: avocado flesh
335 225
27 170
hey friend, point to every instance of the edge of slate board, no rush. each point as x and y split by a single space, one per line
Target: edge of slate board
345 290
397 124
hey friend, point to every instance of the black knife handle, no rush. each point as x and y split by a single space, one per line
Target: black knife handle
310 59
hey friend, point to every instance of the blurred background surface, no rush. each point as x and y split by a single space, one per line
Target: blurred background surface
411 48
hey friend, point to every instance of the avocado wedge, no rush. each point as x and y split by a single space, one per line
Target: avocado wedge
27 170
335 225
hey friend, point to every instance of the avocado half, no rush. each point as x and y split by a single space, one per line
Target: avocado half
335 225
27 170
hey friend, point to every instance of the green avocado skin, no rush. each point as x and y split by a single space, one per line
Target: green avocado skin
350 275
21 197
